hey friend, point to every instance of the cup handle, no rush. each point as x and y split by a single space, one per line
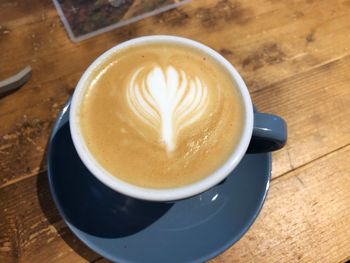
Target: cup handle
269 133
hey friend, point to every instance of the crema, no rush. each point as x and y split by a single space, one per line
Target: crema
161 115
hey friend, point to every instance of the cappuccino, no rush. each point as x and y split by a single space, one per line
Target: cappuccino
161 115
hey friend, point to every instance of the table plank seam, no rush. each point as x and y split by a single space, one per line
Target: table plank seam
326 63
310 162
23 177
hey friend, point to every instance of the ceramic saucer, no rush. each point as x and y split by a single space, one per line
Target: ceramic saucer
124 229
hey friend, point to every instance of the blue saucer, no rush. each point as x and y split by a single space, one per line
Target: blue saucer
124 229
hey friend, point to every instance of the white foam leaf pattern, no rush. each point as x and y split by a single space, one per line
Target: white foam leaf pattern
167 100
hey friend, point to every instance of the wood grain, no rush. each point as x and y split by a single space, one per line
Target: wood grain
251 42
314 104
264 57
295 59
48 37
306 213
305 218
31 230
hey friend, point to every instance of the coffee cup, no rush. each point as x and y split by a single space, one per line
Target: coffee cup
163 118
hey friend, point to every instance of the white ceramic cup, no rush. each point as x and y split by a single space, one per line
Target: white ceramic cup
161 194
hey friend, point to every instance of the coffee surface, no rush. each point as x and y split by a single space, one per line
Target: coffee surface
161 115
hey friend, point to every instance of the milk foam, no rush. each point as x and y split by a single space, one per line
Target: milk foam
160 115
167 99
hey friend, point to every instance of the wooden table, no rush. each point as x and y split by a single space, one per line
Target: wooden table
295 59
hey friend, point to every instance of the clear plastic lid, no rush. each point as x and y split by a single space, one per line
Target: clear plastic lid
84 19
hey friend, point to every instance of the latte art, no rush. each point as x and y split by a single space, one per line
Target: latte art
167 100
161 115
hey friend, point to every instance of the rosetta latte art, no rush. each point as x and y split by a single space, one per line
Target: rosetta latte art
161 115
166 100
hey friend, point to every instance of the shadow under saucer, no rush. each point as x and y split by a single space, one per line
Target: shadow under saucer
95 208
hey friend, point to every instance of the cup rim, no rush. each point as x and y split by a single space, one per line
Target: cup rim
151 194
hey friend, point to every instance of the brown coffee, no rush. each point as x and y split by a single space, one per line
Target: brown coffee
161 115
